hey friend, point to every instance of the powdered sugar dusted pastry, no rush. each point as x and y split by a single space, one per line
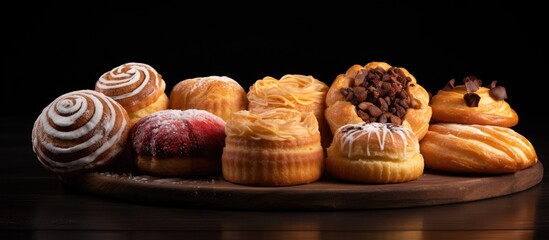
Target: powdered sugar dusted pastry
219 95
477 149
471 103
378 92
294 91
276 147
176 142
80 131
374 153
138 87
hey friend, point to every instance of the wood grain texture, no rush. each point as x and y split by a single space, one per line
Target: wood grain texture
327 194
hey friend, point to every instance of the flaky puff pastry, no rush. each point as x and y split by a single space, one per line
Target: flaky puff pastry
374 153
476 149
340 112
219 95
277 147
138 87
294 91
449 107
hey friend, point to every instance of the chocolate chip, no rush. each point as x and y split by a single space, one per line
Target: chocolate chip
363 115
379 95
472 83
382 104
360 93
471 99
364 105
498 93
493 84
449 85
396 120
374 111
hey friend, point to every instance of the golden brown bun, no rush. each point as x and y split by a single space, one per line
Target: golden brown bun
219 95
340 112
138 87
464 148
278 147
449 107
80 131
294 91
374 153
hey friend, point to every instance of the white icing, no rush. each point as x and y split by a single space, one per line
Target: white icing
64 120
100 122
119 79
352 132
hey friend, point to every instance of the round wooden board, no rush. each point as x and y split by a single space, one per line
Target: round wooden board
326 194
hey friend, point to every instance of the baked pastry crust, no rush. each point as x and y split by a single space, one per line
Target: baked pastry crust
374 153
80 131
340 112
277 147
293 91
219 95
450 107
138 87
476 149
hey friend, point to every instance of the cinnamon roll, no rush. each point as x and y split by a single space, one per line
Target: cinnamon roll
138 87
80 131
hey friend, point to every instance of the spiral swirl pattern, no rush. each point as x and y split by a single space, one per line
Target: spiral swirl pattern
80 130
133 85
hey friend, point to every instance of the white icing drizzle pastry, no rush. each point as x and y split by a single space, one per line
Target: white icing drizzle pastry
351 132
77 131
130 83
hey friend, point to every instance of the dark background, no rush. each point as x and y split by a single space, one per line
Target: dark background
55 48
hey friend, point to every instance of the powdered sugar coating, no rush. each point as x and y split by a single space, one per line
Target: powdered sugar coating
179 133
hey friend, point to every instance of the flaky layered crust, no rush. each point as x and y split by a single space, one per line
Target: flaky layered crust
80 131
219 95
340 112
293 91
138 87
374 153
476 149
449 107
272 163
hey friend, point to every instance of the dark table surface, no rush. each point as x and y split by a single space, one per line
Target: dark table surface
35 205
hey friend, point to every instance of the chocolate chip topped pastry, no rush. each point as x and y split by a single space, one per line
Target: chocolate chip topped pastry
471 103
378 92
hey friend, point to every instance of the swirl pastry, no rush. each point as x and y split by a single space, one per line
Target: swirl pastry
176 142
474 148
381 93
471 103
276 147
219 95
80 131
138 87
293 91
374 153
